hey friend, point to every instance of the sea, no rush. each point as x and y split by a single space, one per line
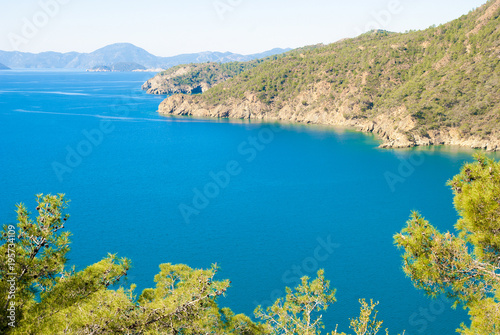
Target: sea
268 203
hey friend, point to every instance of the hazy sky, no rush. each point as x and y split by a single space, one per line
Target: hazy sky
171 27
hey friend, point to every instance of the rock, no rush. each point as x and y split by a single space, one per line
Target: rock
395 128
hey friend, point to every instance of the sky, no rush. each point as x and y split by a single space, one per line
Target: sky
172 27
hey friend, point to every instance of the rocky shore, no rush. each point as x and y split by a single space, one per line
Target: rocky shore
396 129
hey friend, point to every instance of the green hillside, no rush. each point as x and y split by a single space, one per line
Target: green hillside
188 78
439 79
192 77
211 73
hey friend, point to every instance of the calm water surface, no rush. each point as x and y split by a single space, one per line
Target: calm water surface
267 204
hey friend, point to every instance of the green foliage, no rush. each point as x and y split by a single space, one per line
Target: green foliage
49 299
191 76
477 200
366 323
52 300
297 313
34 253
465 267
294 314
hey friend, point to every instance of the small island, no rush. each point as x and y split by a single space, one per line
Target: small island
122 67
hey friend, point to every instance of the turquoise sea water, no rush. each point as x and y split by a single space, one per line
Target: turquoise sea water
267 203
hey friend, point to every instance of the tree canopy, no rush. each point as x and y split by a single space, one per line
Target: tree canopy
464 266
45 297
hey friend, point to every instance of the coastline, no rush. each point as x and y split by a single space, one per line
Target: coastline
394 129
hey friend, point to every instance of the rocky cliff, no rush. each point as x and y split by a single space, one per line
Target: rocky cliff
394 128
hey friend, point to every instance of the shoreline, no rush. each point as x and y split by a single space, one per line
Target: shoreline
393 129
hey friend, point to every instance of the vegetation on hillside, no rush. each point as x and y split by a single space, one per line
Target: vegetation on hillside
195 78
443 77
463 266
188 77
211 73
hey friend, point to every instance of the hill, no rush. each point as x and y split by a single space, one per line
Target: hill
118 53
435 86
198 78
3 67
195 78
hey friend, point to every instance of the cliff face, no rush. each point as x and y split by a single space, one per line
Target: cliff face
394 128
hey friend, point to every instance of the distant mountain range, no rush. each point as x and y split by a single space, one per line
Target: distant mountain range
119 53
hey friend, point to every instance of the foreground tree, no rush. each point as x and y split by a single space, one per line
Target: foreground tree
299 311
294 313
43 297
465 266
46 298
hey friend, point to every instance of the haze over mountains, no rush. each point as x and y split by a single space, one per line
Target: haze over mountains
119 53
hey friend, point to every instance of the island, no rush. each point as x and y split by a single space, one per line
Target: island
118 67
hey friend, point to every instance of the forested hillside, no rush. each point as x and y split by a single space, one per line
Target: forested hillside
435 86
195 78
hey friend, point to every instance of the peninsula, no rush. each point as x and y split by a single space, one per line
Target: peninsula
430 87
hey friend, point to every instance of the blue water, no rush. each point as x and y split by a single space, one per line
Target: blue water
289 191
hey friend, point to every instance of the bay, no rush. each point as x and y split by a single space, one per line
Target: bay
268 203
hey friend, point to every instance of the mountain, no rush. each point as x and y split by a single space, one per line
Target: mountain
435 86
3 67
117 53
272 52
